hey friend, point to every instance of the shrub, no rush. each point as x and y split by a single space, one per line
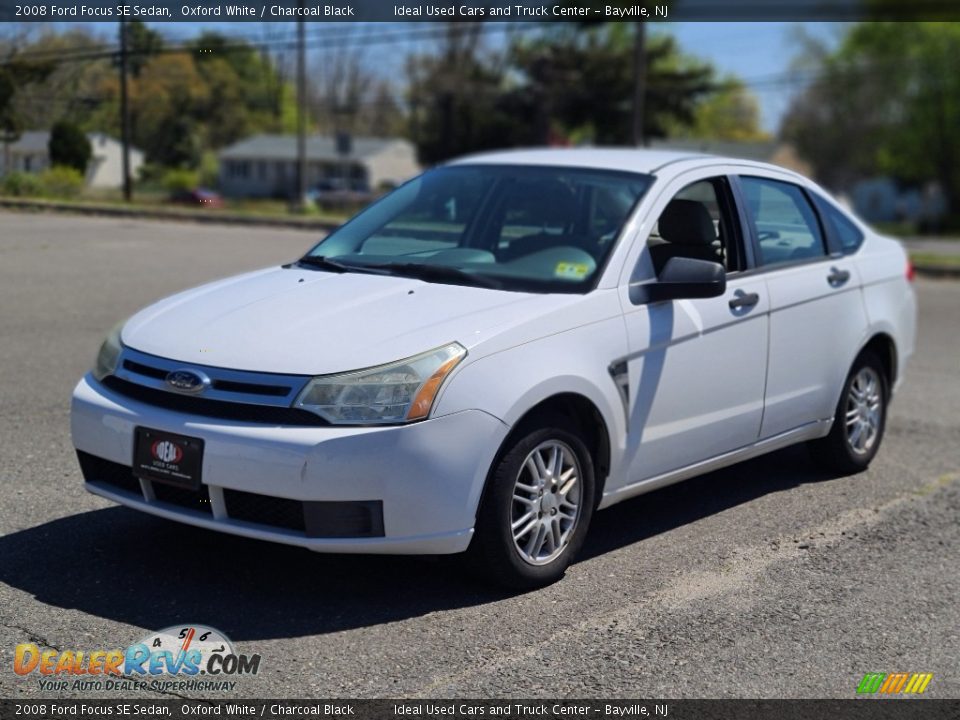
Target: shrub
178 179
68 146
61 182
21 184
209 174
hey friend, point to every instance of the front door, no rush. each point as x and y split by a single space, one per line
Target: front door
697 368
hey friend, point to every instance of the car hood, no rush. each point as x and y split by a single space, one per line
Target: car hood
308 322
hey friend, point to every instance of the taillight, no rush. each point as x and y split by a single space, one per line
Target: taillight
911 273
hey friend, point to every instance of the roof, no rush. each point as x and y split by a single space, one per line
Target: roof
319 147
31 141
638 160
761 150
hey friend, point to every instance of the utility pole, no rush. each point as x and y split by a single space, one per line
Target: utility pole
639 80
301 115
125 114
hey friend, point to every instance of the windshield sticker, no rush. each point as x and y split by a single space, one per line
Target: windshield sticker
571 271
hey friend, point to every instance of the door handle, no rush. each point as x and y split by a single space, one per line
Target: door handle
837 276
744 300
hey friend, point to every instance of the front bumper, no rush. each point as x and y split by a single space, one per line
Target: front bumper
428 475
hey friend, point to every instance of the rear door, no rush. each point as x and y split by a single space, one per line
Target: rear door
817 318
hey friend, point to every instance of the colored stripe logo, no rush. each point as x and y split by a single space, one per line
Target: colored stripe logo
894 683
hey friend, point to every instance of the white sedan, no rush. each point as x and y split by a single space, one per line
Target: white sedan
501 347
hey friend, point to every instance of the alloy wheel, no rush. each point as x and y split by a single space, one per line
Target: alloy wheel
863 411
546 502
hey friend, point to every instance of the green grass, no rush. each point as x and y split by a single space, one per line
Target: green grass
935 259
156 200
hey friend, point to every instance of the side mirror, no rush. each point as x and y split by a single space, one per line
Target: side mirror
682 278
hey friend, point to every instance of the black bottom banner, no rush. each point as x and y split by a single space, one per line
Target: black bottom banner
479 709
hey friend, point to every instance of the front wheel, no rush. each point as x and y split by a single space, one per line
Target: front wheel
538 506
859 419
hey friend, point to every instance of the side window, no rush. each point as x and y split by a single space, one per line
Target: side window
784 221
839 226
697 224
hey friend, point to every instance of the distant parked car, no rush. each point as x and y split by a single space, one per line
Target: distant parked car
499 348
200 197
336 191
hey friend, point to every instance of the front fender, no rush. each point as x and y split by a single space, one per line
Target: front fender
507 384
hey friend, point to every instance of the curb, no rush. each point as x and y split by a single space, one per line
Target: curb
201 216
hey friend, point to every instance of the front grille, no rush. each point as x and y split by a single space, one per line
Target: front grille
248 388
198 500
103 472
141 369
264 510
348 519
243 412
252 388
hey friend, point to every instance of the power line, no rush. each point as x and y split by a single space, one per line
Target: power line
325 37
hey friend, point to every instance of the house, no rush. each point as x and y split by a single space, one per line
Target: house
105 170
884 200
266 165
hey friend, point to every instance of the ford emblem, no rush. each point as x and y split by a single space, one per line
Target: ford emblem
188 381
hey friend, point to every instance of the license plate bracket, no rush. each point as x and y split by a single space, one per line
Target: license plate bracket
168 458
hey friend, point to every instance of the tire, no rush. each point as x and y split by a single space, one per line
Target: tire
520 490
853 441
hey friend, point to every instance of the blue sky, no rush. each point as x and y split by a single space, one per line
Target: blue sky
755 52
758 53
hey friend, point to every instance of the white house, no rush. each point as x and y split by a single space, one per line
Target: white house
266 165
105 170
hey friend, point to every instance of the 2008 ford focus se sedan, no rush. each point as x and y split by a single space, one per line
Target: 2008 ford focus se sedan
501 347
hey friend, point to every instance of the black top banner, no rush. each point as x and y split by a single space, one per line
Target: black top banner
472 10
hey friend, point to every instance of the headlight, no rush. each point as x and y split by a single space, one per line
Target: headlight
396 393
109 354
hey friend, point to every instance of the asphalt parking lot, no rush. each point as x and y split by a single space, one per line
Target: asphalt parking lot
767 579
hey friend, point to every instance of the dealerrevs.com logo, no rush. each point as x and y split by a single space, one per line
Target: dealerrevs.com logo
894 683
181 657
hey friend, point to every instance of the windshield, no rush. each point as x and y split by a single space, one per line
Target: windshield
539 229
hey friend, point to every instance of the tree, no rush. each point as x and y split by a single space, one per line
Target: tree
14 75
459 100
167 101
66 89
10 123
729 113
69 146
142 44
887 100
570 83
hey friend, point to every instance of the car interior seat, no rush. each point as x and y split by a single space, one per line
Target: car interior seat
686 230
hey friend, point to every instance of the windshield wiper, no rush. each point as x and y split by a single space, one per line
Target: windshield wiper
325 263
439 273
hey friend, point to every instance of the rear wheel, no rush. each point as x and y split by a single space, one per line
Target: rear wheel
859 420
537 509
